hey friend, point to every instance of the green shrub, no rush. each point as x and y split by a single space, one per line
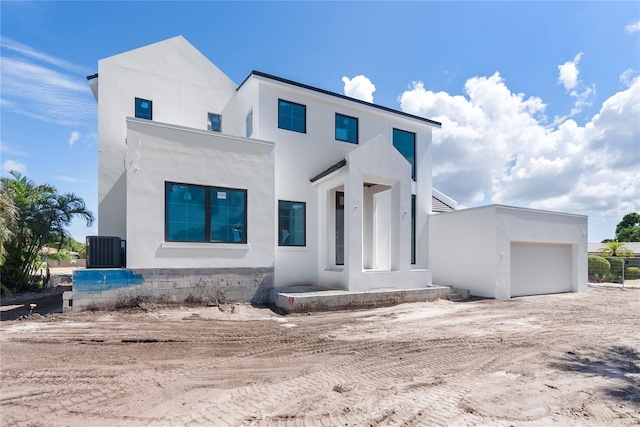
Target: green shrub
62 255
598 265
631 273
616 265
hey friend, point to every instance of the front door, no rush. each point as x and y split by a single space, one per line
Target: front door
339 227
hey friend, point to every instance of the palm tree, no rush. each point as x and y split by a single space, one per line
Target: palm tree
615 249
41 212
8 216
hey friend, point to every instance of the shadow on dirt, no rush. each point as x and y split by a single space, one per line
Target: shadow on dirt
620 363
47 301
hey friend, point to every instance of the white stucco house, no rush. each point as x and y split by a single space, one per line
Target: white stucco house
272 183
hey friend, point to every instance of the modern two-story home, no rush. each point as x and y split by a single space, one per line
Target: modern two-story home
239 189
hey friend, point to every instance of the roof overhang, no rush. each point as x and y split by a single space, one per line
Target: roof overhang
277 79
93 85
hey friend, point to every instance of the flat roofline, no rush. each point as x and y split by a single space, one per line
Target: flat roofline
337 95
155 123
516 208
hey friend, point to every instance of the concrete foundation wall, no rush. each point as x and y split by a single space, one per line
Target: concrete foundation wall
106 289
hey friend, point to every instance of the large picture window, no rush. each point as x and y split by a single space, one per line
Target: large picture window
291 223
292 116
346 128
405 142
196 213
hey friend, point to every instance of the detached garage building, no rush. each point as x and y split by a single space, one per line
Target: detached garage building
502 252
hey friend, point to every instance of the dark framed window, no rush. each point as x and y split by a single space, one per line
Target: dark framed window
405 142
214 122
144 109
346 128
292 219
292 116
413 229
195 213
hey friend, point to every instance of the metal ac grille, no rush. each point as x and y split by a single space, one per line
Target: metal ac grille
104 252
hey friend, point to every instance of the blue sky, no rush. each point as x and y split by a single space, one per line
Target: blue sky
540 101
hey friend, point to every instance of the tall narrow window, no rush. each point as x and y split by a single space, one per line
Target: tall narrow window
249 123
292 116
144 109
214 122
195 213
291 223
413 229
346 128
405 142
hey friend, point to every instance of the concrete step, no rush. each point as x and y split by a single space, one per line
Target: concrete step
453 296
305 299
458 294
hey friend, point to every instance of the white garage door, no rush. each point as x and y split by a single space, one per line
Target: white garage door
540 269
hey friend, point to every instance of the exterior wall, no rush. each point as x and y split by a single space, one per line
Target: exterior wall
183 86
175 146
159 153
107 289
527 225
485 235
301 156
463 250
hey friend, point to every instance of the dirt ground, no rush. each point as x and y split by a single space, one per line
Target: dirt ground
570 359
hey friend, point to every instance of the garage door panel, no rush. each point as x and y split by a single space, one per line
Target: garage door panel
540 268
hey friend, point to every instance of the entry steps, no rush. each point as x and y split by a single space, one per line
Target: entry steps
300 299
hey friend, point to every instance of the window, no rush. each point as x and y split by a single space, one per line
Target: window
214 122
346 128
292 116
249 123
143 109
413 229
196 213
291 223
405 142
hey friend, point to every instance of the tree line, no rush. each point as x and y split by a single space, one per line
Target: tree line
32 216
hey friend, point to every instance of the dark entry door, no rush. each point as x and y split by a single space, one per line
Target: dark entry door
339 227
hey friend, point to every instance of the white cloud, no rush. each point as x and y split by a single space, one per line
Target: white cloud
75 136
5 148
568 77
29 52
628 76
632 28
496 147
569 72
43 87
13 165
359 87
71 179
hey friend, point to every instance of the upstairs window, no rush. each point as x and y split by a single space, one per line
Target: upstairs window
291 223
346 128
292 116
144 109
214 122
405 142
